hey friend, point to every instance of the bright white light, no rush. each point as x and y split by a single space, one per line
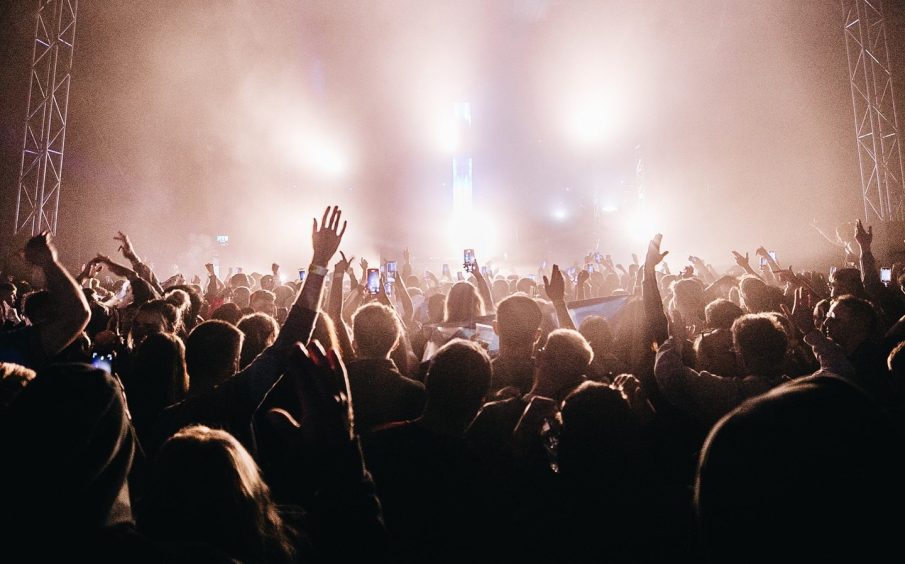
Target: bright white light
326 159
641 224
593 120
560 213
474 231
448 136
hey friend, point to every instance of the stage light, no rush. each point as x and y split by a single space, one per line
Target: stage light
448 137
560 213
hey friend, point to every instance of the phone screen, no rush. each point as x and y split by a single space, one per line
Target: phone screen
373 281
885 274
763 261
445 271
391 271
469 260
772 254
302 274
102 361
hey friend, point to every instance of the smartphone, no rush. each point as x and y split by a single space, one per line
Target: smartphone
886 275
589 267
772 255
832 270
445 271
373 281
301 274
485 271
763 262
598 257
102 361
391 271
573 273
388 288
469 263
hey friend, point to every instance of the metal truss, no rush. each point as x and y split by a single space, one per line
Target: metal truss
41 168
876 123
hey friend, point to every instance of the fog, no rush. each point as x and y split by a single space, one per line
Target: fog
191 119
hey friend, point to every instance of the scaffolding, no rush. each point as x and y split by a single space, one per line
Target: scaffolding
41 167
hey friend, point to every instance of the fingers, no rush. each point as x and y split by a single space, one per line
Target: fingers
334 219
546 282
324 219
313 227
343 229
342 254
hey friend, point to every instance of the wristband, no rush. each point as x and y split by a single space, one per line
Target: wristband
317 270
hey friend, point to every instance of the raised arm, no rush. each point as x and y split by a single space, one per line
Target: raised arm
483 289
72 313
141 269
869 272
657 325
743 262
555 287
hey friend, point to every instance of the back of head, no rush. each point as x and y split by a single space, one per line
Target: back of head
375 331
458 378
567 353
721 313
229 312
436 304
499 290
463 304
597 331
212 354
39 307
159 376
761 343
846 281
861 315
260 332
600 433
811 470
688 294
204 487
242 297
263 301
142 291
518 320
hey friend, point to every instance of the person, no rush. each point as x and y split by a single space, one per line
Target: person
606 365
382 394
808 471
260 331
212 354
463 304
35 346
231 405
518 325
158 379
713 348
430 484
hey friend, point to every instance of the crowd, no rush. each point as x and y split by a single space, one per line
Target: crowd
741 416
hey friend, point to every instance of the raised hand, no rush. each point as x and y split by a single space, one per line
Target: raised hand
209 267
801 315
740 260
344 264
125 246
322 389
864 238
326 240
275 269
654 256
583 276
555 286
40 250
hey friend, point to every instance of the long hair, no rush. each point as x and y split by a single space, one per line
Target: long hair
463 303
205 487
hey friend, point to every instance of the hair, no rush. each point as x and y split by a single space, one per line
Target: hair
862 314
375 330
212 352
850 279
204 487
260 332
142 291
463 303
158 379
38 306
596 330
196 302
228 312
721 313
325 333
266 295
165 310
761 342
568 351
436 304
518 319
283 296
458 378
688 293
242 297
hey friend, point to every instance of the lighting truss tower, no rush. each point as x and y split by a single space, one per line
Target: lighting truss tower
876 124
41 168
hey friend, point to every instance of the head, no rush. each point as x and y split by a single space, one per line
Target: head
846 281
457 381
159 377
260 331
38 307
284 296
527 286
518 322
563 361
228 312
850 321
196 302
760 344
375 331
212 354
325 332
8 293
263 301
204 487
688 297
463 303
721 313
499 290
436 306
267 282
242 297
596 330
155 316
